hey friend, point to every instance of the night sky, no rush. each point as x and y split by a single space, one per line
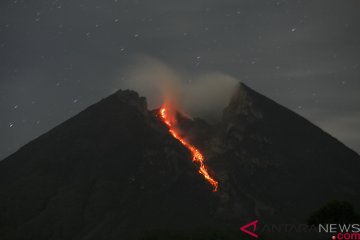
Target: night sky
58 57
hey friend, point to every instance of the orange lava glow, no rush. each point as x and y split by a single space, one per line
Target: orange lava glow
197 156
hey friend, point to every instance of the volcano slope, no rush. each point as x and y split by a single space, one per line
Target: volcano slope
114 172
286 165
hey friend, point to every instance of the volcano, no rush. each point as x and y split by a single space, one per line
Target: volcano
114 171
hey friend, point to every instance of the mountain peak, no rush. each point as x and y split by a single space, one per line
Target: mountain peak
241 106
132 98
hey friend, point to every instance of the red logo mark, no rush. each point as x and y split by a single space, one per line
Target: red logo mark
251 233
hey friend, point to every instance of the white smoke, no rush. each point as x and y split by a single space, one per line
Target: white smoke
201 95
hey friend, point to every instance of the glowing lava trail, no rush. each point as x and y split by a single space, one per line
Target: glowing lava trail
196 154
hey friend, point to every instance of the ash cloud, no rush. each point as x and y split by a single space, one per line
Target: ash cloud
202 95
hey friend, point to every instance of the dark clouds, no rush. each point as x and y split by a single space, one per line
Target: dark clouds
57 57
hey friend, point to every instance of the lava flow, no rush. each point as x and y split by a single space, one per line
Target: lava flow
196 154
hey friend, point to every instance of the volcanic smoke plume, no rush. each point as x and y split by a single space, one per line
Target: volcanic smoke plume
202 95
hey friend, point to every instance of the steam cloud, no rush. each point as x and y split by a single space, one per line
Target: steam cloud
202 95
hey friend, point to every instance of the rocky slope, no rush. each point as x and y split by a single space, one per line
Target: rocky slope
287 166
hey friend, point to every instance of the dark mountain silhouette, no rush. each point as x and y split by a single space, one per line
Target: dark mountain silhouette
287 165
114 172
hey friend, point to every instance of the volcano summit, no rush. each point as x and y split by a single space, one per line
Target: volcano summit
114 171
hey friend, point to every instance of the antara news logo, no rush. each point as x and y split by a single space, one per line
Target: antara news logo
337 231
341 231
